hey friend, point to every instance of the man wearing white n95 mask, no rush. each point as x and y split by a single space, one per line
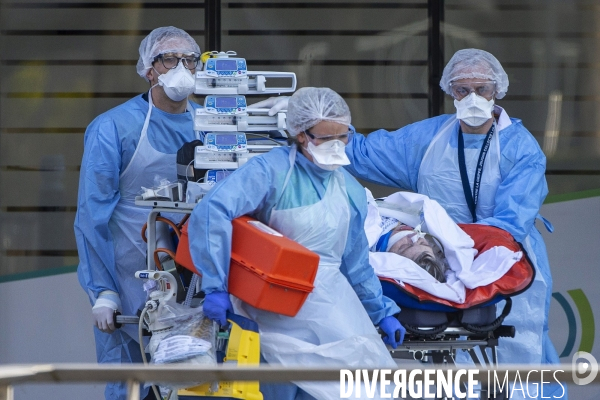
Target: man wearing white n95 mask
482 167
125 148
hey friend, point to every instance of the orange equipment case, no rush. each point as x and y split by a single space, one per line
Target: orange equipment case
267 270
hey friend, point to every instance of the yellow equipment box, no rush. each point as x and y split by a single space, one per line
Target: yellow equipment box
243 349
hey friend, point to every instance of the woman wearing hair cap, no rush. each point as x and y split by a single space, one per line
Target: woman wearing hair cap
300 191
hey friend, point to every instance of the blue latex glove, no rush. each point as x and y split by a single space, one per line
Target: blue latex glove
389 326
216 305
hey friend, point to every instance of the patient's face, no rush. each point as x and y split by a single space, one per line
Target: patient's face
406 248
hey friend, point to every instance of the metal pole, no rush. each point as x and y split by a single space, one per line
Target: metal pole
7 393
176 373
133 390
435 44
212 25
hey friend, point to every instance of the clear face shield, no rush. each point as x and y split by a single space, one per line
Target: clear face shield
422 248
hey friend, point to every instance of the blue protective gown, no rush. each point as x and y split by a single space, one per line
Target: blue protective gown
261 181
394 159
254 190
110 143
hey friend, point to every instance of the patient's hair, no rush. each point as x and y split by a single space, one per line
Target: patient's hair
436 266
433 266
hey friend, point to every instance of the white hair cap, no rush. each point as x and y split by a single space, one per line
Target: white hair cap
310 105
167 39
474 63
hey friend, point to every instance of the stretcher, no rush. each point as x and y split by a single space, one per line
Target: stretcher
437 328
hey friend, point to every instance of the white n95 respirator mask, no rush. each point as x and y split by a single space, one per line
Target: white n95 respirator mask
178 83
474 110
329 155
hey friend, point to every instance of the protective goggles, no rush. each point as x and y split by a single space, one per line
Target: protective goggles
484 89
344 137
170 60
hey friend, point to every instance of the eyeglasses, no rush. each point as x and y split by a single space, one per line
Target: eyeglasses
344 137
484 89
170 61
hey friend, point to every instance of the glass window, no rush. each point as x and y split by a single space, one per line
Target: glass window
62 64
79 60
548 50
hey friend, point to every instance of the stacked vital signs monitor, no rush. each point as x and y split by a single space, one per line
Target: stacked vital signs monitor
234 132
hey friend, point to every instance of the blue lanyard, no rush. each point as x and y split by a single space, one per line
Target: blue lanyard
473 196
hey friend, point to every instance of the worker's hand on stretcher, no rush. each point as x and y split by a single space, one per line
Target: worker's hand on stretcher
104 309
216 305
393 331
103 318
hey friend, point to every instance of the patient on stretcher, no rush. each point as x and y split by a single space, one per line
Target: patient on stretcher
414 241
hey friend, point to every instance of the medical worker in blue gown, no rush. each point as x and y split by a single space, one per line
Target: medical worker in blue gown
126 148
442 157
301 192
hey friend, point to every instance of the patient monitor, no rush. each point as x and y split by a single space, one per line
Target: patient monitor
226 118
224 73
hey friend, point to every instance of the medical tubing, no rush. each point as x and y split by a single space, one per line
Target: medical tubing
182 222
140 335
187 179
176 227
491 326
157 259
191 291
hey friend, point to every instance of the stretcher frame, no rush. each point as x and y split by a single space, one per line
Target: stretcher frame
441 351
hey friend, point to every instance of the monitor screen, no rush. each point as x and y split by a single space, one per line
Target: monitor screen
226 139
230 102
226 65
